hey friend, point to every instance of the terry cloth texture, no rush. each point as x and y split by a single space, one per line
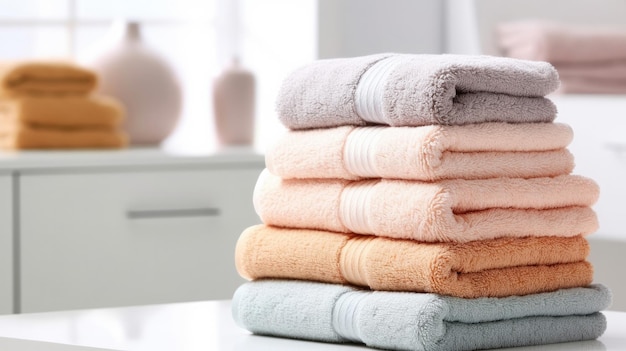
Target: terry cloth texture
448 210
484 150
417 321
415 90
487 268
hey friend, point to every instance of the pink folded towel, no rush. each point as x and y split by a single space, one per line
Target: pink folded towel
556 42
435 152
498 267
606 71
592 86
593 78
448 210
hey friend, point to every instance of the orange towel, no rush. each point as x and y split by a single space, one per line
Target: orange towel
45 77
496 268
50 138
61 111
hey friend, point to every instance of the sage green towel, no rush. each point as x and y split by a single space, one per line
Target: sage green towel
417 321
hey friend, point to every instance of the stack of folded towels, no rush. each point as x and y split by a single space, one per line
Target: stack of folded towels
589 59
421 202
47 105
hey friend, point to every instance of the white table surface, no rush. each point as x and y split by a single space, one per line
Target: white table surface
205 326
47 160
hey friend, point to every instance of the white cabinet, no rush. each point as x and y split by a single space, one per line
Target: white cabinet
6 243
128 228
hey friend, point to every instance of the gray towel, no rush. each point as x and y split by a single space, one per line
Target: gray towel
415 90
415 321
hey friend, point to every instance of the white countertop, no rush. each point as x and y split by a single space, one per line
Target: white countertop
26 161
191 326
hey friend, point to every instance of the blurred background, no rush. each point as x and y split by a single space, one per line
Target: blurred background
198 40
196 37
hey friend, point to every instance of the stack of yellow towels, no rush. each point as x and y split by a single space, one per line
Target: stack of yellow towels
51 105
440 182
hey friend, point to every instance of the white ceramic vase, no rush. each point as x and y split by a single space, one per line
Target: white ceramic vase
143 82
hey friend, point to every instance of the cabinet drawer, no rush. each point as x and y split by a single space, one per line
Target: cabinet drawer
599 148
126 238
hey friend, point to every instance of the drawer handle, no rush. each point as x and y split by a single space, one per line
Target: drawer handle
173 213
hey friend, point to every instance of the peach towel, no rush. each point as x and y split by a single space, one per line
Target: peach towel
45 77
61 111
435 152
50 138
449 210
495 268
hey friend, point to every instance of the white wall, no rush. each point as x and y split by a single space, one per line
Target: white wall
360 27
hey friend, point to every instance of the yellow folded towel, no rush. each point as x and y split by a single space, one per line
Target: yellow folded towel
45 77
51 138
61 111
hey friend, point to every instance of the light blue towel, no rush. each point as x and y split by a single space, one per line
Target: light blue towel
418 321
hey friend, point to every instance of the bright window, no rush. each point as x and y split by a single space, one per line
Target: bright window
194 36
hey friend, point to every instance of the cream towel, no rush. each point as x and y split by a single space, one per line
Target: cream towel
414 90
449 210
494 268
484 150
